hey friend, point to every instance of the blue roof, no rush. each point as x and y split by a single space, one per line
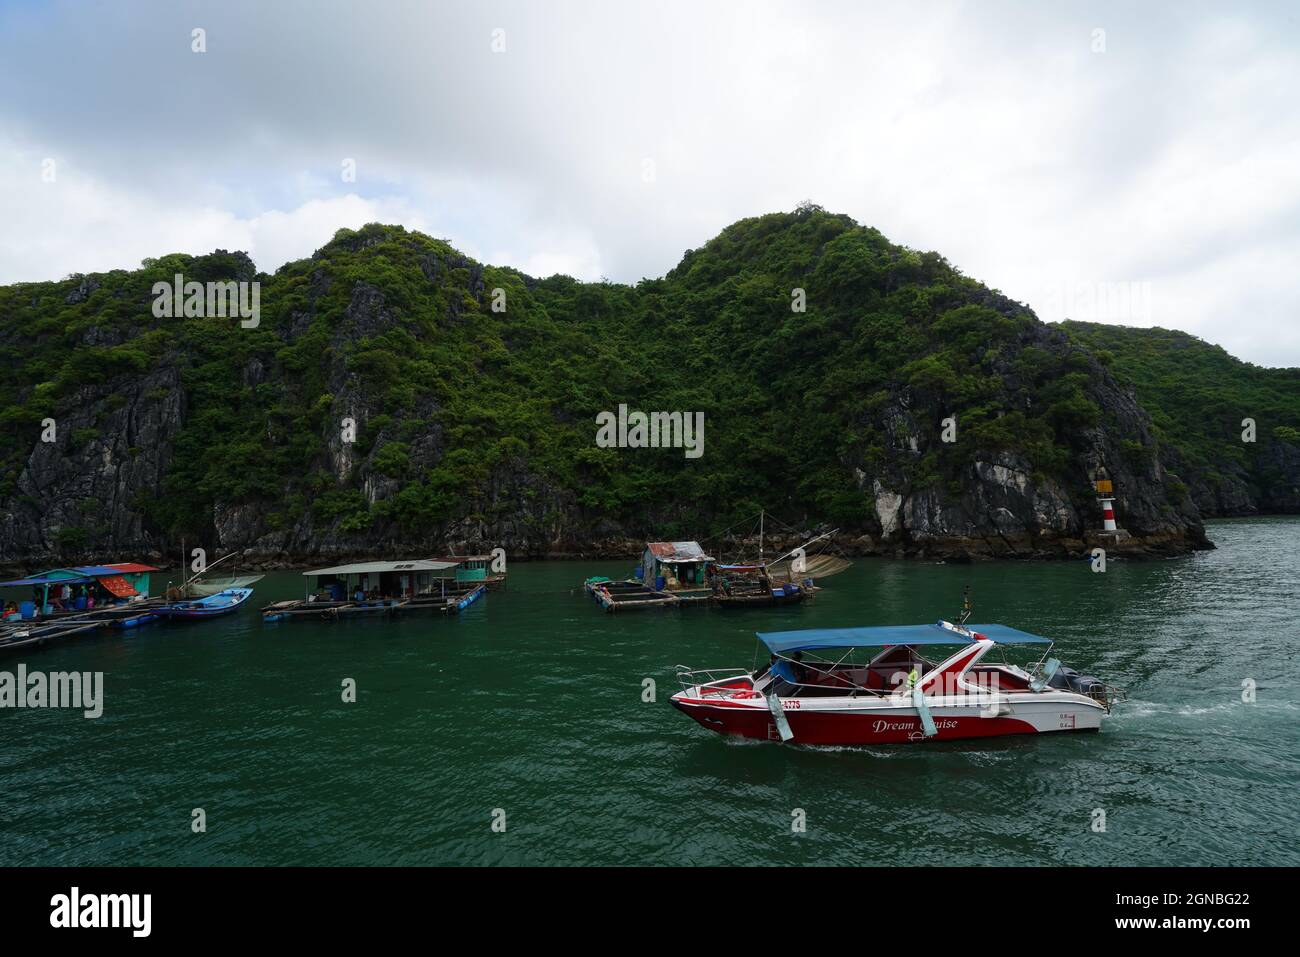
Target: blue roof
59 576
808 639
44 580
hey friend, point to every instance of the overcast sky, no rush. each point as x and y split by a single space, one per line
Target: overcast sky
1133 165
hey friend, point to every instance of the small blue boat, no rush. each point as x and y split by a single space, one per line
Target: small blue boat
222 603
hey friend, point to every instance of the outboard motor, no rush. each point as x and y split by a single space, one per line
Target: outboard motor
1092 687
1063 679
1067 679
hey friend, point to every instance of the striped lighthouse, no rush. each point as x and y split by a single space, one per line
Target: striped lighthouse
1106 499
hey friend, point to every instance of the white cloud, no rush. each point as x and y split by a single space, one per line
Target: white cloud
80 224
990 132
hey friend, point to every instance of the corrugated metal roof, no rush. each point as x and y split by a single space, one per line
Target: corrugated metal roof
678 552
371 568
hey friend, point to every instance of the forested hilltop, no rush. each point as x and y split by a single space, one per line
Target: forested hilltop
1199 398
476 428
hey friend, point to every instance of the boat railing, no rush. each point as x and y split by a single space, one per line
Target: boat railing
1108 696
689 678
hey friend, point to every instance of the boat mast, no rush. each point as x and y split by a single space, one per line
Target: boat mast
761 514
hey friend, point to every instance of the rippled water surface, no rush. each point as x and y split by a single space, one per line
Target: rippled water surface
531 702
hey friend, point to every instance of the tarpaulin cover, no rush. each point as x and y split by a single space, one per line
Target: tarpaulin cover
118 586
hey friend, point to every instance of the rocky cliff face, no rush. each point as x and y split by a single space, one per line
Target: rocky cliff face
1204 399
1003 506
474 430
108 454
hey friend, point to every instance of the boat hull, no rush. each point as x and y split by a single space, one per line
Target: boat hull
875 721
213 606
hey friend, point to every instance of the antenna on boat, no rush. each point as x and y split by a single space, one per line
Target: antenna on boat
965 608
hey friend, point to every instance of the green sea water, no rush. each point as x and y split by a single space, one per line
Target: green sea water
529 708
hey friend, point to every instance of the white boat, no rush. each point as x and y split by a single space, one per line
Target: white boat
813 691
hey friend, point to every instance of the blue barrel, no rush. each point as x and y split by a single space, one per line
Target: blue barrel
336 592
27 609
80 603
660 582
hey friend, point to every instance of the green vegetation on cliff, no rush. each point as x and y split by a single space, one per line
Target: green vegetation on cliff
1198 396
466 414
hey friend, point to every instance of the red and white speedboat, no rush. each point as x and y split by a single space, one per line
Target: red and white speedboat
847 686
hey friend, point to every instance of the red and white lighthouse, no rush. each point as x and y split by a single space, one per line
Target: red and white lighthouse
1106 499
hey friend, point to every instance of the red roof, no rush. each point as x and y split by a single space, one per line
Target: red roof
132 567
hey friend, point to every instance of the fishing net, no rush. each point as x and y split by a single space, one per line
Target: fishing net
815 567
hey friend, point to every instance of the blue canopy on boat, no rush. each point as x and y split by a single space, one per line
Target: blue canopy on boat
810 639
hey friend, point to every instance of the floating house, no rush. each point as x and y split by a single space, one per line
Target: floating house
679 568
364 589
670 573
100 596
92 586
394 580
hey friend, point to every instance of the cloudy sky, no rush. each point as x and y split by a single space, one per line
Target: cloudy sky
1132 165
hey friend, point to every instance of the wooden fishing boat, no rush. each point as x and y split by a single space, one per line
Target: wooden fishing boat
222 603
787 579
750 586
